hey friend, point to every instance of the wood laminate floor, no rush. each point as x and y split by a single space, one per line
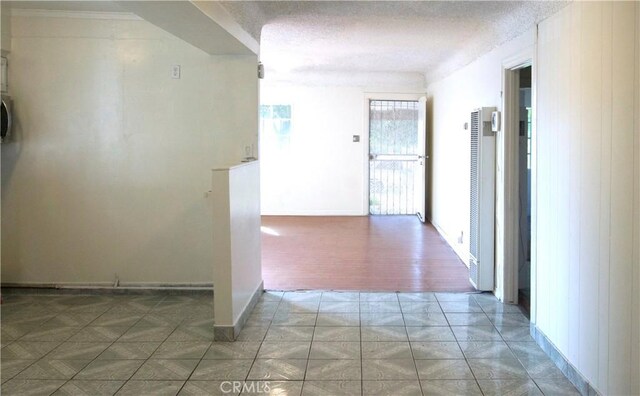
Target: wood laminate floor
381 253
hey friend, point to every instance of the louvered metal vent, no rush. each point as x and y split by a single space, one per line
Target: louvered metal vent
482 200
473 231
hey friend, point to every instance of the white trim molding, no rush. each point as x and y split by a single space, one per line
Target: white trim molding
35 13
507 203
368 96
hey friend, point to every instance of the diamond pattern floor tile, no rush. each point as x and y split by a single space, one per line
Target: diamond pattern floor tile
89 387
334 388
512 387
181 350
391 388
311 343
476 333
27 349
278 369
436 350
26 387
343 333
155 388
384 333
334 370
443 369
286 333
284 350
202 388
450 388
233 350
222 370
389 369
434 333
109 370
166 369
335 350
46 369
386 350
9 368
556 386
497 368
485 350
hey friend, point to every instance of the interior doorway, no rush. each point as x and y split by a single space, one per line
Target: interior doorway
516 186
525 132
397 162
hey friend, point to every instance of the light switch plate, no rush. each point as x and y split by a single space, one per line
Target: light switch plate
5 83
175 71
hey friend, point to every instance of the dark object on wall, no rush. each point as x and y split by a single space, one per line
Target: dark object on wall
6 118
260 70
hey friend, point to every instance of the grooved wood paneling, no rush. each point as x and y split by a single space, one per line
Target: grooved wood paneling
586 147
635 334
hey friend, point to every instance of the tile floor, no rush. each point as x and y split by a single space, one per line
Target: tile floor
309 343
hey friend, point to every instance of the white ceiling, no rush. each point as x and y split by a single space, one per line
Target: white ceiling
370 41
433 38
203 24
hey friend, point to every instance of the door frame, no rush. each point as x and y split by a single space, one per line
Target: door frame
368 96
507 188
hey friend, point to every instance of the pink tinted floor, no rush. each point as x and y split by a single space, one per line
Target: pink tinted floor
383 253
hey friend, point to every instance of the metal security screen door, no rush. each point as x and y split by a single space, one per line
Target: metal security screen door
396 158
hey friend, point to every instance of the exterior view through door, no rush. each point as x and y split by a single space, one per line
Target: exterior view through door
397 162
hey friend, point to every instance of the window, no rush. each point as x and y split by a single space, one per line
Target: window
275 127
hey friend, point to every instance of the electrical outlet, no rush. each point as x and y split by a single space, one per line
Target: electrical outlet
175 71
356 138
461 237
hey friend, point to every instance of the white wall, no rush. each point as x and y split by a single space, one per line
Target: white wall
587 190
324 171
587 261
450 102
236 235
109 169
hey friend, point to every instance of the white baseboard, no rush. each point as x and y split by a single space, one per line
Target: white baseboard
457 248
110 285
313 213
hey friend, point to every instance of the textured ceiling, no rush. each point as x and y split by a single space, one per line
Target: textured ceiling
433 38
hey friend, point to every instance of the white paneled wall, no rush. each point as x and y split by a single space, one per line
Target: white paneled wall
635 334
586 145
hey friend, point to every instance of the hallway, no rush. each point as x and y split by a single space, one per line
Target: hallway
381 253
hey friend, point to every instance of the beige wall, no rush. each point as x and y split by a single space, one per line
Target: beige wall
110 166
587 273
5 29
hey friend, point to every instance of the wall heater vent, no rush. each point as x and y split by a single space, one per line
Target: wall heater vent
482 198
